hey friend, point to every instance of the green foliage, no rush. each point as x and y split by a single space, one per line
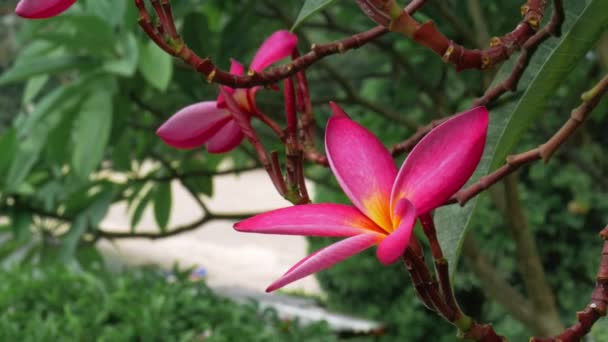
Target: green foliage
547 70
56 303
87 90
309 8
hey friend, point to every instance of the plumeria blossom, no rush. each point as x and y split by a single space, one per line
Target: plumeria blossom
386 202
40 9
211 123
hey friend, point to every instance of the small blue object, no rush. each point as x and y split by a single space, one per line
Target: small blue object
198 273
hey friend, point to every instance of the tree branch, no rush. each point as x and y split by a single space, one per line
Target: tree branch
529 264
597 307
496 287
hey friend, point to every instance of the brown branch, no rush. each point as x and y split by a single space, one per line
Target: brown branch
429 36
194 174
590 100
597 307
108 233
441 264
174 45
495 286
528 50
529 263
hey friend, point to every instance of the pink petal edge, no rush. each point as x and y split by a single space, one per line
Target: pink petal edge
276 47
394 245
325 219
226 139
362 165
325 258
193 125
442 161
236 68
40 9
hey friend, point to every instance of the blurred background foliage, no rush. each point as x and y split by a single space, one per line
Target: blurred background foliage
82 95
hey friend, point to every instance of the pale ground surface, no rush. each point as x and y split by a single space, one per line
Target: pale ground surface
230 258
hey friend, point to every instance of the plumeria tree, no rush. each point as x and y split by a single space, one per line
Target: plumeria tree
482 100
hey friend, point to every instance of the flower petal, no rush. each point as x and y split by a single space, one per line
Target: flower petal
363 166
325 258
310 220
226 139
442 161
393 246
276 47
39 9
193 125
236 68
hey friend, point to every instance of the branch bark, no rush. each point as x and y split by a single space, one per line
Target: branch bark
529 262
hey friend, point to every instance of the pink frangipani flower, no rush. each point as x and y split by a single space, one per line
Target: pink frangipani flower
386 202
211 123
40 9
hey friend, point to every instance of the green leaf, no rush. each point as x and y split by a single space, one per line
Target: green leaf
34 130
309 8
41 66
57 153
21 224
162 205
33 87
8 146
141 206
111 11
89 218
91 131
81 31
549 67
128 51
156 66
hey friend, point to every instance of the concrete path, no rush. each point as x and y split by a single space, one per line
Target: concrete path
230 258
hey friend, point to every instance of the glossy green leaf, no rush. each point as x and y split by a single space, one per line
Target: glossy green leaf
549 67
309 8
91 131
162 204
156 66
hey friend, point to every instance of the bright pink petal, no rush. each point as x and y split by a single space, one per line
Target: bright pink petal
276 47
310 220
236 68
443 161
363 166
39 9
192 126
226 139
393 246
326 258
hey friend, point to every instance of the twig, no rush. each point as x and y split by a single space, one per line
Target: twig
529 262
429 36
590 100
169 40
112 235
597 307
528 50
